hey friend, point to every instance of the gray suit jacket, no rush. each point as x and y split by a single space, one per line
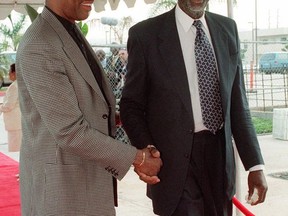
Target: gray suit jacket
156 102
67 159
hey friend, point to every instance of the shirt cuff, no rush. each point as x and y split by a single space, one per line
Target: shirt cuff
257 168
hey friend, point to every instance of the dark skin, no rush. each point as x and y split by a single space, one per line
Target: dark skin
256 179
193 8
71 10
76 10
144 171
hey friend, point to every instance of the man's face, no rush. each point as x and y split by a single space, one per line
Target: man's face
72 9
114 50
123 54
194 8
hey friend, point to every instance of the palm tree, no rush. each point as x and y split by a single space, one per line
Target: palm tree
120 28
12 34
285 49
4 46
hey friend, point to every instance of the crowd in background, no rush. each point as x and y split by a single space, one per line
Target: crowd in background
114 66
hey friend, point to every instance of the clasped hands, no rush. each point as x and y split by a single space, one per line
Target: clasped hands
147 164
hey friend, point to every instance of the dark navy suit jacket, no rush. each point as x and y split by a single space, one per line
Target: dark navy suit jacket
156 102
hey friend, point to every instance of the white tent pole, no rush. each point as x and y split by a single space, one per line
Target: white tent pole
238 178
237 159
230 8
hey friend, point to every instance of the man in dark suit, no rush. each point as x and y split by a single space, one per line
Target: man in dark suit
69 159
161 106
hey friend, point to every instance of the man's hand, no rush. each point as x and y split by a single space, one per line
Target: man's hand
257 182
149 165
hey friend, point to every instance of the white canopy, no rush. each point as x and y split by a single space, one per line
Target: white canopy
100 4
6 6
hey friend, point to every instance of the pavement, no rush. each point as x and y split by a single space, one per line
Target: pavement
133 202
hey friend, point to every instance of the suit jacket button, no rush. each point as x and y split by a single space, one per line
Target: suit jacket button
191 131
104 116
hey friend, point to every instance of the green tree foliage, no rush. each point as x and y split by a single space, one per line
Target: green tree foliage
83 27
285 49
4 45
124 23
12 34
32 13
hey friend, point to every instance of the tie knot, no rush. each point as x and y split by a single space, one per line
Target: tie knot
197 24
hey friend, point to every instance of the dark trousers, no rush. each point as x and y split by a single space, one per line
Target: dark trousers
204 193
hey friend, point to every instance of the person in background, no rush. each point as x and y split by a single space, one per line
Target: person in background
101 55
114 67
123 55
113 61
184 93
69 159
11 113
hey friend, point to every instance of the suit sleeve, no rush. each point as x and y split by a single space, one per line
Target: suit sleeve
134 96
241 122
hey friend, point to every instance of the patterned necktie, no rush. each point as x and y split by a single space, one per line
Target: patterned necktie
209 89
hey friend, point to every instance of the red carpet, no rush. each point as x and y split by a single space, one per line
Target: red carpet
9 187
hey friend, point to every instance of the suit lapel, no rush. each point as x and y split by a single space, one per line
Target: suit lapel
85 70
220 43
75 55
105 83
174 62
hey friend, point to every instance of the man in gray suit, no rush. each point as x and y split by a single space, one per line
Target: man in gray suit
161 106
69 159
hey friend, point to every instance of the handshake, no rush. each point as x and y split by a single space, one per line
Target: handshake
147 164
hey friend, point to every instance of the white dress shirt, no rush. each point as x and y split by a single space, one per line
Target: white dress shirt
187 35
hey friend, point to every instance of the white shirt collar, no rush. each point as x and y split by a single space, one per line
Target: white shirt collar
186 21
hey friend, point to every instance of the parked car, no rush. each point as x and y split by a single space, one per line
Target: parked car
274 62
6 59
